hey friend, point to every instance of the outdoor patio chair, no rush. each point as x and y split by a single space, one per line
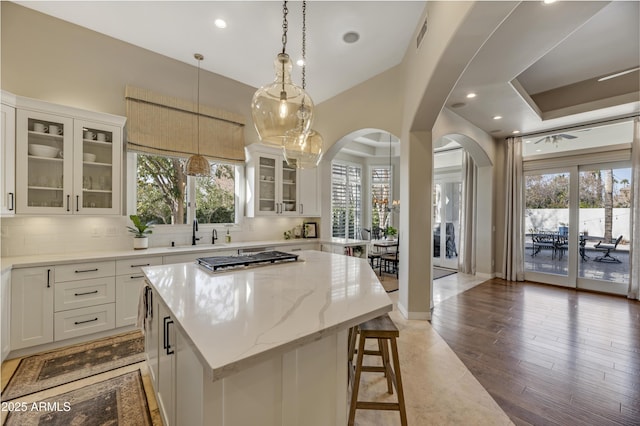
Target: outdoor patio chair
607 249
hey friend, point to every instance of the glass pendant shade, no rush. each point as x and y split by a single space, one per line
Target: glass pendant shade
303 149
197 165
280 106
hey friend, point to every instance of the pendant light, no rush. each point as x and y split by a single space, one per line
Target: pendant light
279 106
197 165
303 146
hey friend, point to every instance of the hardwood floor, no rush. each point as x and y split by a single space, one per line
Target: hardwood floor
548 355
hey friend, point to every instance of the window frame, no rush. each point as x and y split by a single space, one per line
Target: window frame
131 192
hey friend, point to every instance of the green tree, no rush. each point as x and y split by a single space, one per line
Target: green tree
161 189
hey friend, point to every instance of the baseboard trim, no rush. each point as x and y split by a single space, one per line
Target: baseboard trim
421 316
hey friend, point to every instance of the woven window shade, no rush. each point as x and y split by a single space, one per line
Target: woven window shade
159 124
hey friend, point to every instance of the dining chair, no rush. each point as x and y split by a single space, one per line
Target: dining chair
389 260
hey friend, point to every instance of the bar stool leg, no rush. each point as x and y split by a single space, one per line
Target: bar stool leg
386 363
396 368
356 382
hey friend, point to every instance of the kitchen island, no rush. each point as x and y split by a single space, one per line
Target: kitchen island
258 345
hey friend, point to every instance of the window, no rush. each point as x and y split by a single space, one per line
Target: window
346 200
164 193
380 196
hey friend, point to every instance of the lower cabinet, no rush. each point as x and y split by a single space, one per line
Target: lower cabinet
179 377
129 283
31 307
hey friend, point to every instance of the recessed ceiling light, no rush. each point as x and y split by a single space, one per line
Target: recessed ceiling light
351 37
497 117
458 105
300 62
548 1
471 95
515 132
538 150
220 23
527 141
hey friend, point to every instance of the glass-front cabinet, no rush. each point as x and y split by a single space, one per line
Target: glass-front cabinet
272 185
276 191
67 165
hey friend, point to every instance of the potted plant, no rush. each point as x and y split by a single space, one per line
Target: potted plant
390 232
140 231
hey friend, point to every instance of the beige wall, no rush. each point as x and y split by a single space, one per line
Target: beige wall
45 58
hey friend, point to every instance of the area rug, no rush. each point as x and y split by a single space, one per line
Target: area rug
117 401
389 283
49 369
441 272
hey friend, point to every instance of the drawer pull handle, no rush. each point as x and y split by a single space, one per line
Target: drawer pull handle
48 278
82 322
138 266
78 271
135 277
85 293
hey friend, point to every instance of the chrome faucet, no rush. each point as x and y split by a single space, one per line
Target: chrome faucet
214 236
193 235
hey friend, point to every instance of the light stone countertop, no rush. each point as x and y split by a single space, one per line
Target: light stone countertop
62 258
237 318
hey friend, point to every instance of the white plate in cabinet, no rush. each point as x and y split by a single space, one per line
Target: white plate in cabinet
132 266
79 322
128 288
81 294
82 271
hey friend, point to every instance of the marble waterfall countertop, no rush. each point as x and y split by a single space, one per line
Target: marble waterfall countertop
236 318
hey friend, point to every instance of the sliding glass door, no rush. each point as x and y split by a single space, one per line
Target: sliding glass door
549 246
605 219
577 226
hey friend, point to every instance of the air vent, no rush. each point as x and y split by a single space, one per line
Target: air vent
422 32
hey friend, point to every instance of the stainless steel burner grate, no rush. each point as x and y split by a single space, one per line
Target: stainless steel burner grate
219 262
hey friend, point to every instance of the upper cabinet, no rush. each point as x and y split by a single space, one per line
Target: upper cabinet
276 188
68 161
7 158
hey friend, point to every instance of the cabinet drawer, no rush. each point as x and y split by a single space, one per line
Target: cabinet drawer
80 294
78 322
82 271
132 266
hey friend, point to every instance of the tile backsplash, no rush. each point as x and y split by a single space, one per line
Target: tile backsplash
28 235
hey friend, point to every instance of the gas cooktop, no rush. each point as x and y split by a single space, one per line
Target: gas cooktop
215 263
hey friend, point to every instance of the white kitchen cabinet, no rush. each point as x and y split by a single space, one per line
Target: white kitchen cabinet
276 188
31 307
5 314
309 192
179 376
68 161
7 159
84 299
129 283
151 334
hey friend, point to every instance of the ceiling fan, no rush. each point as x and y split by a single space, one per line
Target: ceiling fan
555 138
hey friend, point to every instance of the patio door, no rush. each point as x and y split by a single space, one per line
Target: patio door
550 243
446 222
577 226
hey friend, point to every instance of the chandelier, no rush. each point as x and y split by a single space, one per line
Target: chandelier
384 203
281 106
197 165
303 147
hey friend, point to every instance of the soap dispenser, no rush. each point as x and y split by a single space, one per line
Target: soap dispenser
228 236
